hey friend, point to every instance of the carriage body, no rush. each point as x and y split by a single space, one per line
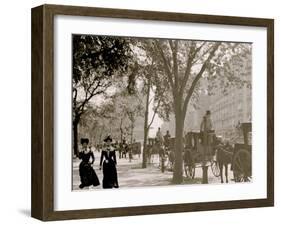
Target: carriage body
152 147
242 156
195 152
135 148
199 151
194 143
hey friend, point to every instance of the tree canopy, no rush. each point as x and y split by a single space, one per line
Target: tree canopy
97 62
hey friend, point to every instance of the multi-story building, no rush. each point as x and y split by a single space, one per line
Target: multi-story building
193 117
235 105
228 110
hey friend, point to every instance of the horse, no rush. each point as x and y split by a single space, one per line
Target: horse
224 155
150 152
171 158
154 153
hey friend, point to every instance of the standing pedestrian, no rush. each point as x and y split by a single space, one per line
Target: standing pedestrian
124 149
108 164
87 174
130 152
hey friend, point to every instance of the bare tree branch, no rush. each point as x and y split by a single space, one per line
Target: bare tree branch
174 48
192 55
166 65
198 49
201 56
154 114
93 92
198 76
151 99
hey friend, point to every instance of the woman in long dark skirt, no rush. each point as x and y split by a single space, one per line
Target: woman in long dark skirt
87 174
108 164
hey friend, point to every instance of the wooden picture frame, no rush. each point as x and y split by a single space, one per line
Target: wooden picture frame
42 203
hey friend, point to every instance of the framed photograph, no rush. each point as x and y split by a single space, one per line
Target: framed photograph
141 112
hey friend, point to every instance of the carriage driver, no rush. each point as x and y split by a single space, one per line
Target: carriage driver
207 126
159 137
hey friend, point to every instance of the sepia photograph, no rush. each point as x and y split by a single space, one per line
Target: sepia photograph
149 112
160 112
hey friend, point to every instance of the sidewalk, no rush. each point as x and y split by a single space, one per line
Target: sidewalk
131 174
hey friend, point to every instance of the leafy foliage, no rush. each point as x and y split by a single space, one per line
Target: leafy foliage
184 68
96 61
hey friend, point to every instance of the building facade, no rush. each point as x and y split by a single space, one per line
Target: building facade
233 107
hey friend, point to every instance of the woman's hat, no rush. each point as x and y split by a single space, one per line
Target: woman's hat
84 140
108 138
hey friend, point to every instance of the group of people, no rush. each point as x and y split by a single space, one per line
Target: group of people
88 176
163 140
164 148
123 149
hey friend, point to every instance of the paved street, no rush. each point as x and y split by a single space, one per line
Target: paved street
131 174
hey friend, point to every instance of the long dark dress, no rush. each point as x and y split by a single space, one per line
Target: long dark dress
108 163
87 174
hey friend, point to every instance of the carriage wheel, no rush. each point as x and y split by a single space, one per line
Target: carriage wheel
170 161
242 166
167 164
190 170
215 168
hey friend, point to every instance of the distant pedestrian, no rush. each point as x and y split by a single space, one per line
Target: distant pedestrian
119 149
167 140
108 164
130 154
124 149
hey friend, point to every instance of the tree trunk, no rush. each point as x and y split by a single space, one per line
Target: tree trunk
132 132
146 129
177 175
144 147
75 137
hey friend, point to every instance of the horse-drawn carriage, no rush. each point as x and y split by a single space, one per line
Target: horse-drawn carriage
242 155
197 153
151 146
194 153
238 155
152 150
160 154
130 149
135 148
